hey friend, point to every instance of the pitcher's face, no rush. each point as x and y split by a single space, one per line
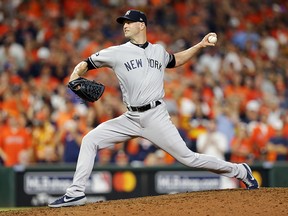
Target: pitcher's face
132 29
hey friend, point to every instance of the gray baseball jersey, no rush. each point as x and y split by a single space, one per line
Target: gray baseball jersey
141 75
140 71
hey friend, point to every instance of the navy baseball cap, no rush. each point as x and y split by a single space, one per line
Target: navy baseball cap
133 15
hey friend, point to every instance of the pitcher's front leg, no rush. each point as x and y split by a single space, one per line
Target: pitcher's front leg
105 135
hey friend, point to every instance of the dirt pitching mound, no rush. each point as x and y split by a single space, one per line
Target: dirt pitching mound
265 201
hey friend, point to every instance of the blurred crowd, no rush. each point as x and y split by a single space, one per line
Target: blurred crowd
230 100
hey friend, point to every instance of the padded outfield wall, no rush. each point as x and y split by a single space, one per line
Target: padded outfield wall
41 184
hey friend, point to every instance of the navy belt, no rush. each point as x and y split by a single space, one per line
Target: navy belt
143 108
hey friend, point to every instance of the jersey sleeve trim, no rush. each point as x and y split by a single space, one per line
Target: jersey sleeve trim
91 64
172 61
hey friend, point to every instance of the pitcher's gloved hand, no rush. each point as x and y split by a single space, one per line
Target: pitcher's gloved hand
87 90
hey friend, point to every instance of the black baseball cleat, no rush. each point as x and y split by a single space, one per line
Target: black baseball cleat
66 201
250 182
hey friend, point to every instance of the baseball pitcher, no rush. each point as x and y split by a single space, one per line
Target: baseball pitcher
139 67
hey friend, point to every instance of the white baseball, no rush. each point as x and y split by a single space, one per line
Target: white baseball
212 39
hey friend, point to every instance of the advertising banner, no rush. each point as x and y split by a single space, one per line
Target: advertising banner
38 186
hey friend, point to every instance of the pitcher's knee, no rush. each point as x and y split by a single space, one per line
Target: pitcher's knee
188 159
89 142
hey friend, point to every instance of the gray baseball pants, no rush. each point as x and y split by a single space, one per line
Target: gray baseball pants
154 125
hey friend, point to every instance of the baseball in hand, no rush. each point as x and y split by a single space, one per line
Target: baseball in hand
212 39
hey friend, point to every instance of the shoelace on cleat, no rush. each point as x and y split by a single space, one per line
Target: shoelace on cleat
60 198
247 182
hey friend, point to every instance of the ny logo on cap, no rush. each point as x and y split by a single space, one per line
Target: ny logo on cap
127 13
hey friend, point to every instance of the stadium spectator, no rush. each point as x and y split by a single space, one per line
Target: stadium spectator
277 146
104 157
260 132
71 136
44 138
156 158
212 141
241 145
210 61
226 117
15 142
